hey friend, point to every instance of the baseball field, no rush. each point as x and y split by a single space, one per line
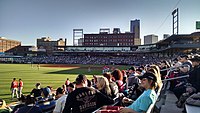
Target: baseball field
47 74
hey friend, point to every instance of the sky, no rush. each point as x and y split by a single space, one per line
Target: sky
27 20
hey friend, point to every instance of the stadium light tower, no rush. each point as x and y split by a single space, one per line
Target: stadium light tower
77 34
175 21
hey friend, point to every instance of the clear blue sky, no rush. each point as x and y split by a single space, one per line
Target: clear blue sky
27 20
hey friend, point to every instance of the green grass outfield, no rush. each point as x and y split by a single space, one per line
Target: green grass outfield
52 76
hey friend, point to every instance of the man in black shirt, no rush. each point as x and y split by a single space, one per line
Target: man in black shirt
84 99
194 78
36 92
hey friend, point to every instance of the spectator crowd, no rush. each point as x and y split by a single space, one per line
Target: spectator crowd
134 89
108 60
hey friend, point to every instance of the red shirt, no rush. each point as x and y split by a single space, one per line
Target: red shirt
67 82
14 84
20 84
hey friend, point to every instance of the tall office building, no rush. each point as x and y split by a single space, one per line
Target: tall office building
135 28
150 39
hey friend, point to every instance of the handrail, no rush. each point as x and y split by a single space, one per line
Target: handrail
174 68
168 79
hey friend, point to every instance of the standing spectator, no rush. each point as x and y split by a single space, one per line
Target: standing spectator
20 87
13 87
3 107
84 99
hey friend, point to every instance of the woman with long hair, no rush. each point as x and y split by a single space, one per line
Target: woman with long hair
102 85
118 78
148 81
156 70
143 102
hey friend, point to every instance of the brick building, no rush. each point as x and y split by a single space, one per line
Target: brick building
107 39
49 45
7 44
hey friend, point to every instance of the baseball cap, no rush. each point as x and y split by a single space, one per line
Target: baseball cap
148 75
46 91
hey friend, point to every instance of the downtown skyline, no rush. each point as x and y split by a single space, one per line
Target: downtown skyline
26 21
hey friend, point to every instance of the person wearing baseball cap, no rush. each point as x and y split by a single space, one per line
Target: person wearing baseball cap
142 103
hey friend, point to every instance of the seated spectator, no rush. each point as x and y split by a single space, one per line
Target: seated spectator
156 70
193 84
29 106
143 69
132 77
22 101
113 86
60 103
85 99
163 67
36 92
64 87
103 86
71 87
148 81
3 107
46 104
141 105
67 82
89 83
139 72
118 78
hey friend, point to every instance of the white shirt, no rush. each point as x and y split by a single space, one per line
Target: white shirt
60 104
